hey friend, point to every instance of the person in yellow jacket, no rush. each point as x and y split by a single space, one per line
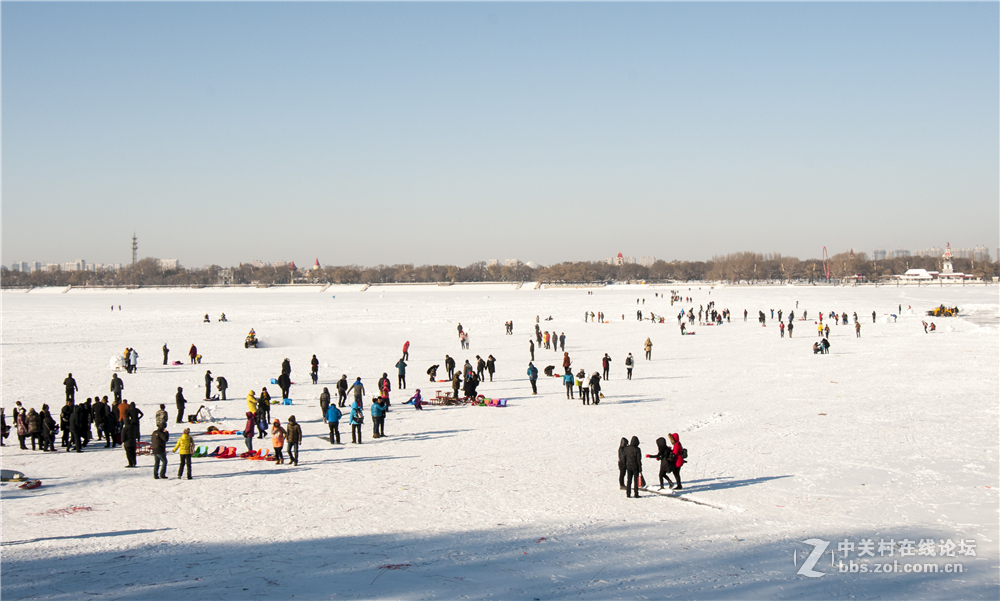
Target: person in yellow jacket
184 447
252 402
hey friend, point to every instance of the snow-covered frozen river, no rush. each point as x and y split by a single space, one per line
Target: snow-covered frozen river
893 436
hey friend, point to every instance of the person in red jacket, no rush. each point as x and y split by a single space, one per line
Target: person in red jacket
678 452
406 351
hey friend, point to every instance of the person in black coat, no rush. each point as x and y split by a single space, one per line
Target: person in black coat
180 401
100 409
595 388
76 429
491 366
621 462
286 367
111 426
222 385
71 387
263 417
4 428
116 386
86 418
666 458
449 366
64 416
471 383
208 384
130 438
48 429
342 387
132 416
158 447
285 384
166 352
324 402
633 467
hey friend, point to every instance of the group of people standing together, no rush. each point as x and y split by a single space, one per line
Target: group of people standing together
130 360
332 414
115 422
671 458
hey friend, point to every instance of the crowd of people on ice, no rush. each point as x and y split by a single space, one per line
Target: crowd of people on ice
117 422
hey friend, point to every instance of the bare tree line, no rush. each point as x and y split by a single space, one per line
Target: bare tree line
735 268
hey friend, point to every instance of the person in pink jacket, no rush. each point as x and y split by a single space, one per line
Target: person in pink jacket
278 441
248 430
678 452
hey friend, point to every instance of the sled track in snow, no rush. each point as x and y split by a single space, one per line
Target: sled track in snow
685 499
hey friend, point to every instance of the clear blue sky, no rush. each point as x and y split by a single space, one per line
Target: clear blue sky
451 132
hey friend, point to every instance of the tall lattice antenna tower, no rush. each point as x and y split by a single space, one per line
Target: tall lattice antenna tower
135 249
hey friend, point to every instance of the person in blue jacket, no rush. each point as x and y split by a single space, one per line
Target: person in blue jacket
357 418
333 415
378 417
401 368
533 377
568 381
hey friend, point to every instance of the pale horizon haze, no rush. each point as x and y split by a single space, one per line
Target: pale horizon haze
368 133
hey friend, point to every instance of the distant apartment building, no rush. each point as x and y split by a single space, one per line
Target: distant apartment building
979 253
80 265
878 254
934 251
32 266
493 262
899 253
647 261
512 263
169 264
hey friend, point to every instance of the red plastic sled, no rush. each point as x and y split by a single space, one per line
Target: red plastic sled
30 484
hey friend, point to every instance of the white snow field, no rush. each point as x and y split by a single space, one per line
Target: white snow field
893 436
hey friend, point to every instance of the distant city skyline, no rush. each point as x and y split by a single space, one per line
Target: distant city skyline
448 133
979 252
